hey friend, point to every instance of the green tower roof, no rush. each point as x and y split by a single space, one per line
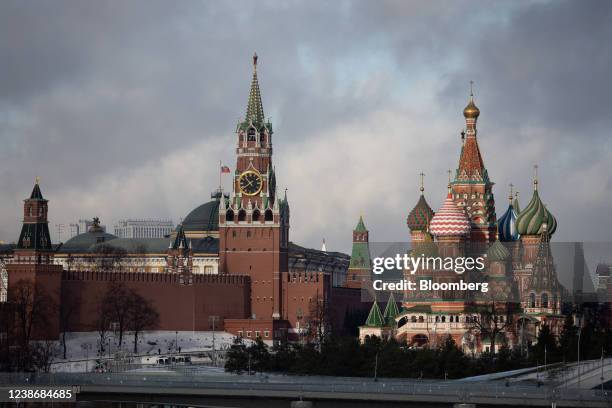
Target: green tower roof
375 318
391 311
360 225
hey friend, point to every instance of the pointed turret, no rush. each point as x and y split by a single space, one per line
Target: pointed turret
391 311
360 264
180 241
471 165
472 188
254 112
35 230
375 317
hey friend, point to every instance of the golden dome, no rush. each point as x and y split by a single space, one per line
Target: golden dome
471 111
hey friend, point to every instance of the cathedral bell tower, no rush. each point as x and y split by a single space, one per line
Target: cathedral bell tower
254 222
472 189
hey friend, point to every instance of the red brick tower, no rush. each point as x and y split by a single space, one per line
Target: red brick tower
32 269
254 222
471 187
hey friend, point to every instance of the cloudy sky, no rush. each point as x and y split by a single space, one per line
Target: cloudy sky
124 108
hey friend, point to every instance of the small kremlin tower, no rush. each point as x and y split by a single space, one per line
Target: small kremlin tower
33 265
360 266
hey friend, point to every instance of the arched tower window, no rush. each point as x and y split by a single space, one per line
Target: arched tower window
251 135
241 215
256 215
532 300
268 215
229 216
544 300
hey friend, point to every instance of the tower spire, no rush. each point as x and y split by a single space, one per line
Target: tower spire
511 192
535 177
255 113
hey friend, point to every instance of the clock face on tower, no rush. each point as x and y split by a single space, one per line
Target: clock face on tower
250 182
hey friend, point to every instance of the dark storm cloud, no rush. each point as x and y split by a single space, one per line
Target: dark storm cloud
98 96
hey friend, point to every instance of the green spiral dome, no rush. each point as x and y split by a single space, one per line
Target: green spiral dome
532 218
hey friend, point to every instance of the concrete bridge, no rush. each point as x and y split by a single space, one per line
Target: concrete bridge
224 390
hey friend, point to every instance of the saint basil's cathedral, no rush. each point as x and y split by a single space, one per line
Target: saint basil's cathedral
524 292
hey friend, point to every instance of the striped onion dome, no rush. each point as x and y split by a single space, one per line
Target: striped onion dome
531 220
420 216
506 225
497 252
449 220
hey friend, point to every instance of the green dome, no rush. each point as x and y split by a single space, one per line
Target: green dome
203 218
532 218
497 252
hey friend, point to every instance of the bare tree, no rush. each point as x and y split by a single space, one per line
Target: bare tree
44 353
142 316
102 325
109 258
318 319
492 320
32 308
68 308
116 305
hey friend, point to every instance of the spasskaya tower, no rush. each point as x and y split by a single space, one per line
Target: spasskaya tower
253 221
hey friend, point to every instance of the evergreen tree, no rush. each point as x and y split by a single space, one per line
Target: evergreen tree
546 347
568 340
237 358
259 355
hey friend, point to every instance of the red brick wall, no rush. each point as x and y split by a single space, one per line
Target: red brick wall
180 307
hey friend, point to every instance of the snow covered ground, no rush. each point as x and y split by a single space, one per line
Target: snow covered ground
83 347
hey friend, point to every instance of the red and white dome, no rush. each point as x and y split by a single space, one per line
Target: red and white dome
449 220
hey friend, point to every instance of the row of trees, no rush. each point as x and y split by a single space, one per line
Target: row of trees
345 356
28 314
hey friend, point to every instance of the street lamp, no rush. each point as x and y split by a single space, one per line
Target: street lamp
213 320
579 335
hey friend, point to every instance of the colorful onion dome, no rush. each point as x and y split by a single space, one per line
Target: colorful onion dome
506 224
497 252
449 220
531 220
420 216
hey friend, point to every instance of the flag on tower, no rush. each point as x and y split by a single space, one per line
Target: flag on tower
225 169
